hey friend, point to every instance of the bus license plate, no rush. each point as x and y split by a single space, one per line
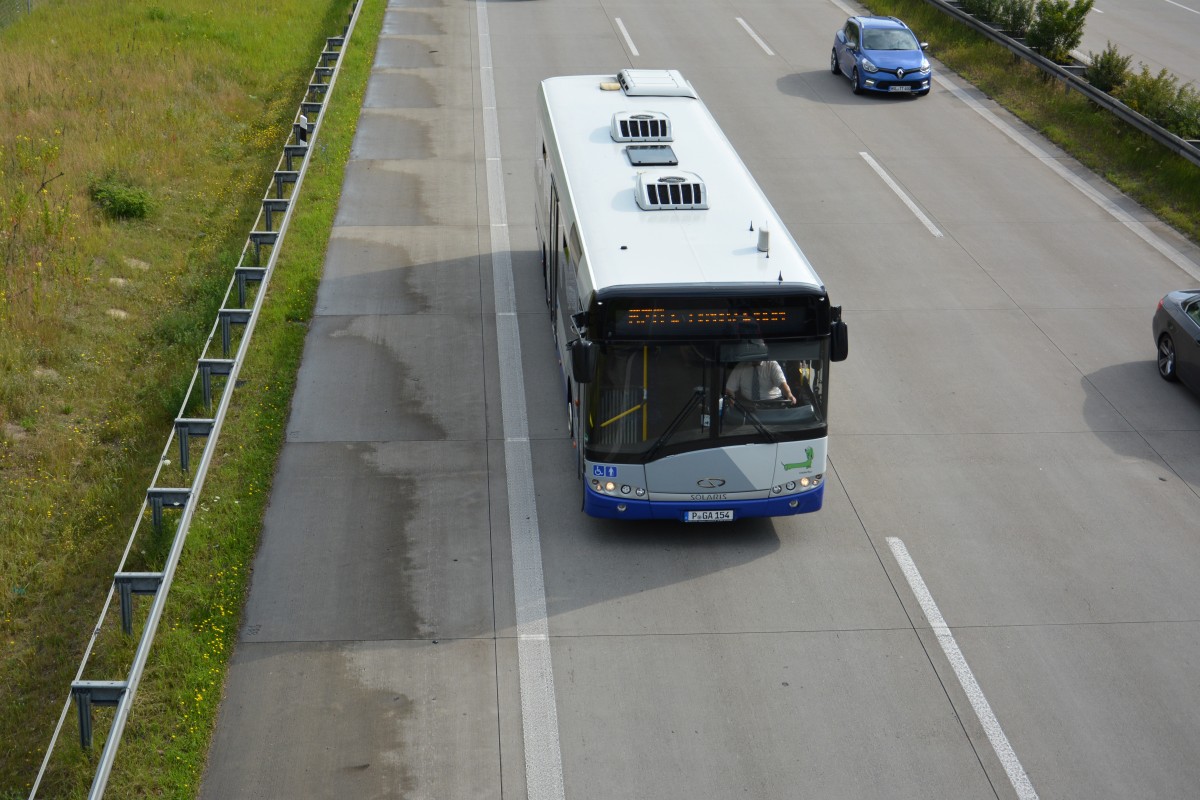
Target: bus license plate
724 515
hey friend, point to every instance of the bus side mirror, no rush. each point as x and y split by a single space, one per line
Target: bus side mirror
584 356
839 345
839 341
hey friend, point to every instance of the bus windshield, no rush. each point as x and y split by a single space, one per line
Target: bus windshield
651 400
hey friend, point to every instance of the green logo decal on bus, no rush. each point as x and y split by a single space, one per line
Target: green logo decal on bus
808 451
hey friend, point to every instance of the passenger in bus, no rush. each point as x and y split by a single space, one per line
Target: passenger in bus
758 381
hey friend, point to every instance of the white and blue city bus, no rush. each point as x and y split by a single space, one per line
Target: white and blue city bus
665 269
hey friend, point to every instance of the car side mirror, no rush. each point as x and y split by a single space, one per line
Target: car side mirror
924 45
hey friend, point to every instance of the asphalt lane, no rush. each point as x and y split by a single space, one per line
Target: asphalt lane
999 414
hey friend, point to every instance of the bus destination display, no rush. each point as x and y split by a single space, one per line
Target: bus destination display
651 321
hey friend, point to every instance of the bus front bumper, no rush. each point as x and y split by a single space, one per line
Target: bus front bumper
606 507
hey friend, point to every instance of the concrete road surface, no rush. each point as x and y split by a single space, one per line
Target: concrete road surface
999 598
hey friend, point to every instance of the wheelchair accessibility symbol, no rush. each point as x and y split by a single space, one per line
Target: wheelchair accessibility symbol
602 471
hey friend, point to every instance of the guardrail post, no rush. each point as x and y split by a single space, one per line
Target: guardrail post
260 238
231 316
89 693
283 178
210 367
165 497
274 205
291 151
246 275
129 584
185 429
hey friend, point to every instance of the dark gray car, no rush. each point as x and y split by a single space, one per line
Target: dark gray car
1177 335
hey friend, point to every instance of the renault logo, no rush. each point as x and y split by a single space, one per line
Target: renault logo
710 483
899 73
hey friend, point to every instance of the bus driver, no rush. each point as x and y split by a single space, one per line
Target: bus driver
757 381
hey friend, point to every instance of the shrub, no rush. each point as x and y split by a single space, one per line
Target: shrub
1109 70
1016 16
1160 98
1057 28
986 10
118 198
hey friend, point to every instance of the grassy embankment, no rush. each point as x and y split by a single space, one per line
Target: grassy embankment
187 105
1166 184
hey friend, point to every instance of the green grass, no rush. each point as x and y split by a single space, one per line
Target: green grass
1166 184
100 324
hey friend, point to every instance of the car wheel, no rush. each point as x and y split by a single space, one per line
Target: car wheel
833 65
854 81
1166 358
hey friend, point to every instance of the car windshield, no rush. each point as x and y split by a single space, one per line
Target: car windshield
652 400
889 39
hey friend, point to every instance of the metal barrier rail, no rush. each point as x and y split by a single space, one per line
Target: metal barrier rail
282 191
1177 145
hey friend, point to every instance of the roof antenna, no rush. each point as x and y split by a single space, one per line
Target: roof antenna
764 239
751 224
781 276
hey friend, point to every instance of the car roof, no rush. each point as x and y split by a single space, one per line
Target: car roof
881 22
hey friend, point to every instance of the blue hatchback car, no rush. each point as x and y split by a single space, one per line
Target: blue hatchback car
881 54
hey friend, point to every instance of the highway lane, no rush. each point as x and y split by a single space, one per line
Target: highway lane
999 415
1162 34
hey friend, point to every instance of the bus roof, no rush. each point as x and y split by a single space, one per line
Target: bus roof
627 245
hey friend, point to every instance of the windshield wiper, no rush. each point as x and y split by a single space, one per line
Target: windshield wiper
753 419
697 397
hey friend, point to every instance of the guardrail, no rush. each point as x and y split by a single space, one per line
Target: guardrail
277 207
1177 145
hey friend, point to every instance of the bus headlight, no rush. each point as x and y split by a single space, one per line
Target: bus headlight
640 492
625 489
608 487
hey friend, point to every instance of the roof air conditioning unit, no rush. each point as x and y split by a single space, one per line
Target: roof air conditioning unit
664 191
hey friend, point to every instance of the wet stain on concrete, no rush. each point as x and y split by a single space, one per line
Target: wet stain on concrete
397 89
399 138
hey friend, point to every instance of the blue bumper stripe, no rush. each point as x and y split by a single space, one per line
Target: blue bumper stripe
599 505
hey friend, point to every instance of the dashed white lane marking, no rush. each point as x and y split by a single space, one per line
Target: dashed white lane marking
895 187
991 725
628 40
754 36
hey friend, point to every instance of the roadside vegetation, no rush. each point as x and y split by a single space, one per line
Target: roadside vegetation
139 140
1163 182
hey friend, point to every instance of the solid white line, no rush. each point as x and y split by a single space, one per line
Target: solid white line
895 187
754 36
1185 8
991 725
629 41
539 714
1125 218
